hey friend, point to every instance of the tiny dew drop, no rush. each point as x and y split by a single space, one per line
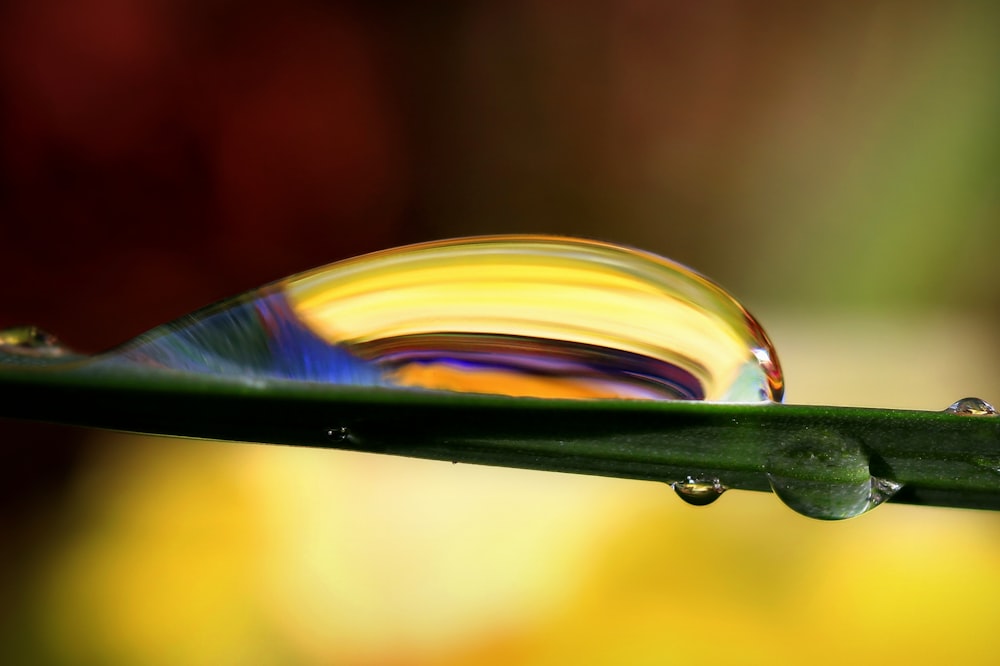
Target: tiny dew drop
971 407
30 341
698 492
827 476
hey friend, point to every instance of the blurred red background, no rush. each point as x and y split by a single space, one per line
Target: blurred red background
158 155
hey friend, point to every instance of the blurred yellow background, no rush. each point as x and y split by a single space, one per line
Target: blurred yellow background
834 165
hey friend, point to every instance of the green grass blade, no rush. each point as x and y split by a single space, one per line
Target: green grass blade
939 458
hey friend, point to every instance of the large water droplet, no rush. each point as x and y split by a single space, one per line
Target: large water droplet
827 476
971 407
698 492
513 315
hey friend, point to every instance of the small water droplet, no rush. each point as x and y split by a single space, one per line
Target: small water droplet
971 407
827 476
30 341
531 316
698 492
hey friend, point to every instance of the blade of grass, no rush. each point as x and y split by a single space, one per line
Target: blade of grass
940 458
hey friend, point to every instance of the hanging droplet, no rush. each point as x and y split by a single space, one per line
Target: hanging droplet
513 315
971 407
32 342
698 492
826 476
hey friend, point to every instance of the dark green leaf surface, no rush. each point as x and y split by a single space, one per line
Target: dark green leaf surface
940 458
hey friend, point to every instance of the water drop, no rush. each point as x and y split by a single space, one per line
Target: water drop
971 407
698 492
531 316
827 476
30 341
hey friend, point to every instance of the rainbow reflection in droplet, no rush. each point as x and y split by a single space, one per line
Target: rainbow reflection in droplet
512 315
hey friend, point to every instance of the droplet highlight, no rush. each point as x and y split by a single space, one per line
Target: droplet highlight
827 476
337 434
698 492
971 407
340 434
532 316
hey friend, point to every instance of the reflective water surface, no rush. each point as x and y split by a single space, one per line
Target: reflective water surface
514 315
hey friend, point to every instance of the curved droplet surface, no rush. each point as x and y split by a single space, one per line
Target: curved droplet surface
513 315
698 492
971 407
827 476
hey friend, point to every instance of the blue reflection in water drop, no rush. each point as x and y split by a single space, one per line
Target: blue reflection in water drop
258 338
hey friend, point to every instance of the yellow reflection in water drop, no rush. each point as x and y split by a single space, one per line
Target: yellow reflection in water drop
541 288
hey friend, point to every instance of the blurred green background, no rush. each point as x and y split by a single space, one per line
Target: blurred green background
834 164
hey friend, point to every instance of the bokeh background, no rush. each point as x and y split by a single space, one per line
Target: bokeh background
834 164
